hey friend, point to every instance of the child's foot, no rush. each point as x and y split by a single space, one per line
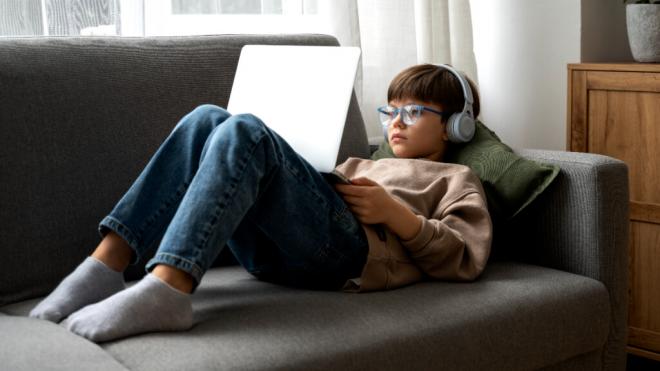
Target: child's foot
90 282
150 305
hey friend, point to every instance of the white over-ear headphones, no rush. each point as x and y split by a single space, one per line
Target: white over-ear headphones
460 126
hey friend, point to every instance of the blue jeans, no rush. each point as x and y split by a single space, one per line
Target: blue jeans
219 180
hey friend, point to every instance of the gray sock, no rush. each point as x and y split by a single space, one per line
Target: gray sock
150 305
90 282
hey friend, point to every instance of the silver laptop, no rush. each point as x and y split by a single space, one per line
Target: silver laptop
301 92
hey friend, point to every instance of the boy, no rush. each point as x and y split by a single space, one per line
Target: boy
221 179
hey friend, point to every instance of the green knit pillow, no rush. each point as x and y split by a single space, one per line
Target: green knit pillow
511 182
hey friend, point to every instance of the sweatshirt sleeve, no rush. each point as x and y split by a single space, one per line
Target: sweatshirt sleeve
455 243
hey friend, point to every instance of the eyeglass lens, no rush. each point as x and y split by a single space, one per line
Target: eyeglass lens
408 117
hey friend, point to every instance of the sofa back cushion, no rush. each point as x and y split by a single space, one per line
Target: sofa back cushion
80 119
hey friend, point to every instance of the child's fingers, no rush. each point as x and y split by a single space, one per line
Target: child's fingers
352 200
358 211
348 189
362 181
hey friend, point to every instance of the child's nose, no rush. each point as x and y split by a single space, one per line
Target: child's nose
398 121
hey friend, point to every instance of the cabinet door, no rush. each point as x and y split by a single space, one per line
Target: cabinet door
620 117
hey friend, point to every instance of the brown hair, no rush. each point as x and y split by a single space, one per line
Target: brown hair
430 83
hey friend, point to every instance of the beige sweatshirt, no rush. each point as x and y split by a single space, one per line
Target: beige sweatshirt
454 240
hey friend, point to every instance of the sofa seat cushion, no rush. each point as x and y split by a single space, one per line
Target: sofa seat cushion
29 344
516 316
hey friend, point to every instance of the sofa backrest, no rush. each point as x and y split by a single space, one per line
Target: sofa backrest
80 119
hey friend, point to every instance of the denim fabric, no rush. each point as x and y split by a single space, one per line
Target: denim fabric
219 180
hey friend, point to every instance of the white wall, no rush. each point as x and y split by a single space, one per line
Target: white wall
604 34
522 48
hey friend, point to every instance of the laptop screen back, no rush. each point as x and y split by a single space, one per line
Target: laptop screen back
301 92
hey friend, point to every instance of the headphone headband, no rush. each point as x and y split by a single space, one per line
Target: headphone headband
461 126
467 91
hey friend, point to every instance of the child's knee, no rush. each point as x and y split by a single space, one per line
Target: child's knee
206 110
246 125
244 131
205 116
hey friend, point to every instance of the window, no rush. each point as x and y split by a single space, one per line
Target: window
227 7
156 17
57 17
199 17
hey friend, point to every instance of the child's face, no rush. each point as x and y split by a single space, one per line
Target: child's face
425 139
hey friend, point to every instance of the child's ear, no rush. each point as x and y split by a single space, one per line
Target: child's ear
445 137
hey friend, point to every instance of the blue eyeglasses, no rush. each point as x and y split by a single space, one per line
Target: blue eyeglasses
409 113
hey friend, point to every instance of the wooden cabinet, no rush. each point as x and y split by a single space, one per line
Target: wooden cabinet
614 109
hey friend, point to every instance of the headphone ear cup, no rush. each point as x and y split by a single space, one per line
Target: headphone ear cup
460 128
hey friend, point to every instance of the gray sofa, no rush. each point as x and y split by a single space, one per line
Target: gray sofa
80 118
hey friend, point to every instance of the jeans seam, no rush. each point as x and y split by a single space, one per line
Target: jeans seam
313 190
181 190
322 200
221 205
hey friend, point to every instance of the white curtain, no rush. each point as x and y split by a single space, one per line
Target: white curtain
395 34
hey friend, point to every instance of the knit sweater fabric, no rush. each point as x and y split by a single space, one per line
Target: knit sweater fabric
455 237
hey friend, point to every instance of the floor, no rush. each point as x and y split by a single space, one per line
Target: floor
636 363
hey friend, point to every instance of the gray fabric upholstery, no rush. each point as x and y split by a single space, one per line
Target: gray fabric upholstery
28 344
580 225
81 117
513 310
588 361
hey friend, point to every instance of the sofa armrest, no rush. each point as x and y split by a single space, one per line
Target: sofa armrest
580 224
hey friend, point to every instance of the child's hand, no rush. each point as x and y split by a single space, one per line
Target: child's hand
368 201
